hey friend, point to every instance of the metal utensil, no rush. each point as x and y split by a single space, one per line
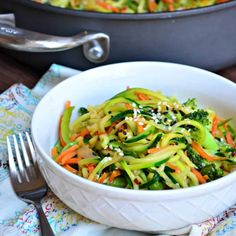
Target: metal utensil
26 178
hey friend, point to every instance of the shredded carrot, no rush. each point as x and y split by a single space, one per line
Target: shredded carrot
103 177
84 132
114 174
69 150
215 125
228 136
73 160
175 168
128 106
199 176
171 7
71 169
99 133
141 96
206 177
107 6
201 152
229 139
67 104
54 152
74 136
91 167
140 128
67 157
152 5
123 10
153 150
62 142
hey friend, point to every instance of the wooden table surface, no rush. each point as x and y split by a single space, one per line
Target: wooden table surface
12 71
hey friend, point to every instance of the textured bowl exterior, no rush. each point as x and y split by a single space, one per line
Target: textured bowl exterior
130 209
152 213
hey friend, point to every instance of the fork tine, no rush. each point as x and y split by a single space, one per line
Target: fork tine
23 173
25 154
29 166
12 164
31 147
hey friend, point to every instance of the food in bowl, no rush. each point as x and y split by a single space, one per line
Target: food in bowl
141 139
145 210
130 6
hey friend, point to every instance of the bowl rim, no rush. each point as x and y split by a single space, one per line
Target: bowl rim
163 194
126 16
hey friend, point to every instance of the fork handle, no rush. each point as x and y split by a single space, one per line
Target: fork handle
45 227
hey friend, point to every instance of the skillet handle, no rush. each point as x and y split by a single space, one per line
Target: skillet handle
96 46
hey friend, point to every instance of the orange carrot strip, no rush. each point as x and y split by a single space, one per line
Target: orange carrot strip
128 106
74 136
73 161
67 157
62 142
141 96
114 174
102 178
71 149
171 7
71 169
206 177
107 6
67 104
54 151
91 167
228 136
153 150
175 168
100 133
215 125
199 176
84 132
201 152
229 139
140 128
152 5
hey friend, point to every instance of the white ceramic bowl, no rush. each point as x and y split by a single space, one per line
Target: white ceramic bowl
131 209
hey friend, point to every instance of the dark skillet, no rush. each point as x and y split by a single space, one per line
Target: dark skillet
203 37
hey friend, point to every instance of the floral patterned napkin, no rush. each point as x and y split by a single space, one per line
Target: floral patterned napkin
17 218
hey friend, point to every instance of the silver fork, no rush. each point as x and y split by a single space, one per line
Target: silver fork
26 178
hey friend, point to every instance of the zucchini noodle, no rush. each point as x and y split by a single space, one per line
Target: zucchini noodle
142 139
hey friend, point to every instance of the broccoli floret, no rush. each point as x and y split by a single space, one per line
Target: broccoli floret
191 103
200 115
212 172
196 159
205 167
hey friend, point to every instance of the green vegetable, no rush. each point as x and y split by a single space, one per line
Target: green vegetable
65 124
191 103
212 172
200 116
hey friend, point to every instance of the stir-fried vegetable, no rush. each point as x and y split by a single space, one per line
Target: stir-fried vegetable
130 6
141 139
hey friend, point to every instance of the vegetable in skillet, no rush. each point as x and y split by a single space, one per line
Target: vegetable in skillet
141 139
130 6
